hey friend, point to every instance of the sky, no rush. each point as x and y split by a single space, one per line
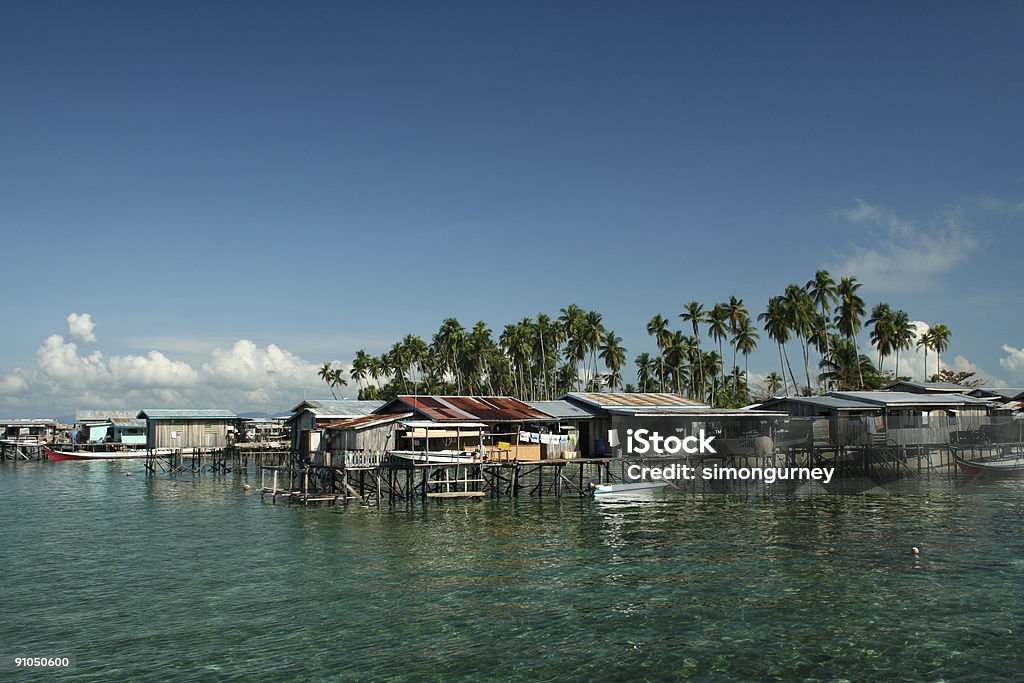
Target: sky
203 201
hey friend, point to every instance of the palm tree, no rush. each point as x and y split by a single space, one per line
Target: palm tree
713 366
851 309
846 366
940 342
644 370
904 335
658 328
676 352
694 313
718 328
772 383
925 341
327 374
746 341
614 356
511 341
548 337
822 290
593 329
360 367
774 319
573 319
450 341
414 351
800 315
479 354
337 379
566 378
738 314
882 336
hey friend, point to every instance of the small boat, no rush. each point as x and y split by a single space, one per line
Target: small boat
627 488
991 467
103 455
437 457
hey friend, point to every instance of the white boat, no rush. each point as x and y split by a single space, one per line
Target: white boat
105 455
628 488
437 457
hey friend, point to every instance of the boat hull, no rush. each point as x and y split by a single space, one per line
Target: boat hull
98 455
628 488
436 457
1005 467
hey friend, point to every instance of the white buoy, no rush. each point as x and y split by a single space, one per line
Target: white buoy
127 474
916 550
246 487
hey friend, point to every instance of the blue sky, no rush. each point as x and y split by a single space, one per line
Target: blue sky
319 177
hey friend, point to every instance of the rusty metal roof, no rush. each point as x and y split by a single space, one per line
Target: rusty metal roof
472 408
128 422
367 421
602 400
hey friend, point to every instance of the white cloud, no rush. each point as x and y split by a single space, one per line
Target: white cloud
888 252
81 326
269 369
59 360
240 377
1013 362
152 370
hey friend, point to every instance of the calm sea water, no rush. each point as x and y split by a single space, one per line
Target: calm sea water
192 578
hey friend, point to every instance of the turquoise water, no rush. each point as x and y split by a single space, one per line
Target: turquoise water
192 578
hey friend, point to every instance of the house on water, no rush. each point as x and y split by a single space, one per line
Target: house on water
861 418
497 424
736 432
309 417
29 430
110 426
203 429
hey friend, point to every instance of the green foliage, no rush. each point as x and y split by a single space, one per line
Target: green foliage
544 357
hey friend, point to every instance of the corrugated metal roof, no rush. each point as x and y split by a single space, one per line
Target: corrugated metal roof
930 386
367 421
565 410
1005 393
699 413
652 400
183 414
473 408
889 398
91 415
28 421
340 409
128 422
828 402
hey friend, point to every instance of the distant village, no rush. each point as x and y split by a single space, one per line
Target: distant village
575 425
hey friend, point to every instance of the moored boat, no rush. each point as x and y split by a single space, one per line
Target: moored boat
991 467
102 455
437 457
627 488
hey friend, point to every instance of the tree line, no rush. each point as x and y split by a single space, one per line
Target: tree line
544 357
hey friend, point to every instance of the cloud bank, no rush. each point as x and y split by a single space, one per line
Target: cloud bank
1013 361
240 377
